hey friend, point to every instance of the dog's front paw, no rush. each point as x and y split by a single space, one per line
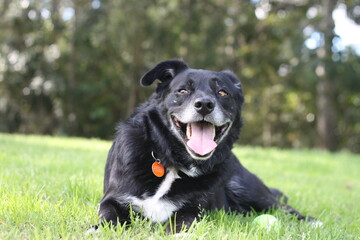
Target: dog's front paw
92 230
316 223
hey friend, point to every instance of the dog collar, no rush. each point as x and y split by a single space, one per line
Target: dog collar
157 168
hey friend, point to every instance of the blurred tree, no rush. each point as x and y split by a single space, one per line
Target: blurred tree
27 67
73 67
327 76
325 90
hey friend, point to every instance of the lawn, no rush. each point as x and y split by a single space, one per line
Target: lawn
50 188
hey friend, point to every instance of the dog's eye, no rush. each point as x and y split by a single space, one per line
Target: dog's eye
183 91
222 93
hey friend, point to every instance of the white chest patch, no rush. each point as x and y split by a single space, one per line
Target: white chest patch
192 172
154 207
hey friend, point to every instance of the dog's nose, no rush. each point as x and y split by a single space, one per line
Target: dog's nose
204 105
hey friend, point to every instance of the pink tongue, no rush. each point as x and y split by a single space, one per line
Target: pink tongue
201 139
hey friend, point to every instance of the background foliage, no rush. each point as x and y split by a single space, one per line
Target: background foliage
72 67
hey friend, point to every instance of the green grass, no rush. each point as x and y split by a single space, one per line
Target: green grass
50 189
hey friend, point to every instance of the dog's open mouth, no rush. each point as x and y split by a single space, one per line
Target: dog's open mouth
200 137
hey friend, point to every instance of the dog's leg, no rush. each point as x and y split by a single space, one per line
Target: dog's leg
247 192
282 204
315 223
113 212
292 211
183 219
279 195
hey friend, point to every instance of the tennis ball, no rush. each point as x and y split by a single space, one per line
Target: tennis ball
266 221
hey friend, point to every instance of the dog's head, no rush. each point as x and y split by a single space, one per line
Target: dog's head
201 105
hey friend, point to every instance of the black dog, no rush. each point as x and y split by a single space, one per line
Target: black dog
189 125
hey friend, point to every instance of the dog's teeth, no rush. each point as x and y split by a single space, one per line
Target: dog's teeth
177 123
188 130
214 132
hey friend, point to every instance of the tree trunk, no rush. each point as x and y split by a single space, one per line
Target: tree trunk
267 123
136 44
325 90
326 116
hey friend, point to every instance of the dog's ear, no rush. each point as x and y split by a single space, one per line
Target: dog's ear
163 71
236 83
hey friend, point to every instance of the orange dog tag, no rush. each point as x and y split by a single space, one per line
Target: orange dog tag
158 169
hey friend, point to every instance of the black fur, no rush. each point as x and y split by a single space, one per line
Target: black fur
221 181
